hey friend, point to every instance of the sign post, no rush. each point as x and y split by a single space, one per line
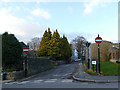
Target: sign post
98 40
93 63
88 44
25 50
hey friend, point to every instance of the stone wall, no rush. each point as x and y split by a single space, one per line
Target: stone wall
38 64
34 65
15 75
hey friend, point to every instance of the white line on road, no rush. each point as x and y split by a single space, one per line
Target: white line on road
10 82
50 81
23 82
38 81
66 80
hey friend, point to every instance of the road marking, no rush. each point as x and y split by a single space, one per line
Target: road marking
66 80
11 82
38 81
50 81
23 82
56 75
8 83
53 79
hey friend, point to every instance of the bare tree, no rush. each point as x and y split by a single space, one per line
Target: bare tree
34 43
79 44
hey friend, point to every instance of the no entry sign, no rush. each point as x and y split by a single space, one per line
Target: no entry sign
98 40
25 49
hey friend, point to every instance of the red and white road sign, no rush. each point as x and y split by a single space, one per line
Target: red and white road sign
98 40
25 49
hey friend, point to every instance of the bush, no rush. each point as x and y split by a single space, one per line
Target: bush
8 70
11 51
89 71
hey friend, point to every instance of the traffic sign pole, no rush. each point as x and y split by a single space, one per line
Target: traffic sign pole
96 66
99 58
98 40
93 67
25 50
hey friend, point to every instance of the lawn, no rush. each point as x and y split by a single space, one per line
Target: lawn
109 68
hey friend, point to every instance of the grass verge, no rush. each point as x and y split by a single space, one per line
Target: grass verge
107 69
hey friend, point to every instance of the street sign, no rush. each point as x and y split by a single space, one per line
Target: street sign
94 62
25 49
98 40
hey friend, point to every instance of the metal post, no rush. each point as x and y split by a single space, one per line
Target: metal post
93 67
88 63
96 66
90 57
25 59
99 58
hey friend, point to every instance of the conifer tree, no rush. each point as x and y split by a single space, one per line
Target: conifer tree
44 48
66 51
48 42
55 45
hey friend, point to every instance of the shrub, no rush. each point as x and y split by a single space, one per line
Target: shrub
11 51
8 70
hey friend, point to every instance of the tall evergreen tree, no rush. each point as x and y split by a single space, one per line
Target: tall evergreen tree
66 51
48 42
55 45
44 48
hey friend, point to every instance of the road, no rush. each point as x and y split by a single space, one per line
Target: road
59 77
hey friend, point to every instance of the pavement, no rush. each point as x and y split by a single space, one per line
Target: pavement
82 76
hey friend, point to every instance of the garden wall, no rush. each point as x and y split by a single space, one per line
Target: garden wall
39 64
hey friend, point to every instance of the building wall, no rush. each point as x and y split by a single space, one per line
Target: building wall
108 51
104 51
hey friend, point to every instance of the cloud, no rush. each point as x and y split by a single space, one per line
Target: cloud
89 6
23 29
41 12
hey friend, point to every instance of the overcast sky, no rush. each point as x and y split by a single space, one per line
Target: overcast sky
30 19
